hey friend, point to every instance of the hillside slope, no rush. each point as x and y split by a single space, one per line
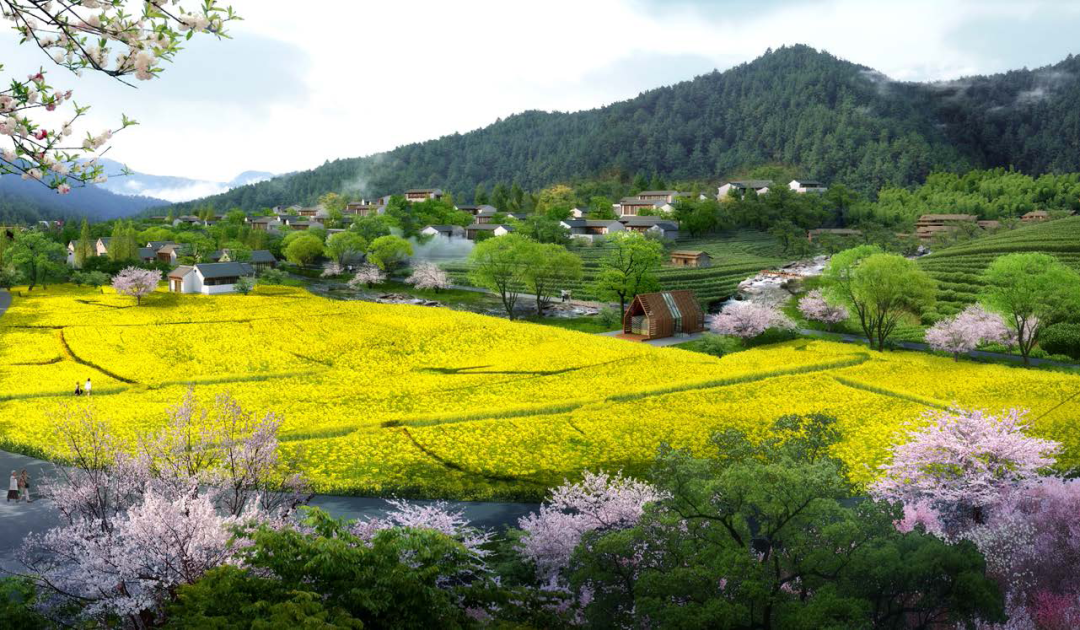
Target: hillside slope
958 269
833 119
28 201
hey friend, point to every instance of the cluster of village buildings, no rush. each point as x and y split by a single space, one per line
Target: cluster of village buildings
648 212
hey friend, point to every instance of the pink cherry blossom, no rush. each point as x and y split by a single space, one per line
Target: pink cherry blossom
748 320
966 331
427 275
368 275
962 462
814 307
598 502
136 282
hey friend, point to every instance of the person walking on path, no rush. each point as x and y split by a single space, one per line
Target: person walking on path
86 388
78 389
24 485
13 488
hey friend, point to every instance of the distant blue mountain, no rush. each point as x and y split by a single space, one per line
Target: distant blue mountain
173 189
28 200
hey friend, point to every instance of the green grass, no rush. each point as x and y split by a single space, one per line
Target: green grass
958 269
735 257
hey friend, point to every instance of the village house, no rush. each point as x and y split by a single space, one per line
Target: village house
309 212
930 225
578 212
295 223
363 209
989 225
444 231
262 259
485 214
186 219
807 186
589 229
208 278
666 196
665 314
494 228
740 188
169 252
661 227
633 206
101 246
690 258
1035 215
265 224
423 194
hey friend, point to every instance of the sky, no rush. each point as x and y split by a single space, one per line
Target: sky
303 83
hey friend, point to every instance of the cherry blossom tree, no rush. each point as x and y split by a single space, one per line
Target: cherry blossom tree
332 270
428 275
368 275
813 306
118 38
748 320
141 519
967 330
437 516
598 502
962 462
136 282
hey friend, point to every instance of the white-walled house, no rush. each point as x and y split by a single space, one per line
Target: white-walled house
578 212
807 186
759 186
495 229
589 229
208 278
444 231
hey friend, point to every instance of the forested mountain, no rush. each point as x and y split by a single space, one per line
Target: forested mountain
27 201
832 119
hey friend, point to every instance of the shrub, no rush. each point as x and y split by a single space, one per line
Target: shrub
1061 338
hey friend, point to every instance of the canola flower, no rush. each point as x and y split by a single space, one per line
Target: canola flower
383 399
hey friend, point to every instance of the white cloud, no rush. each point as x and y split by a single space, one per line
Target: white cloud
305 83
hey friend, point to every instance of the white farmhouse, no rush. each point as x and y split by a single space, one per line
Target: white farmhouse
759 186
444 231
807 186
208 278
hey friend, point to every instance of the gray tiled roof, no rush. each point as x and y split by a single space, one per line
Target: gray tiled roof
224 270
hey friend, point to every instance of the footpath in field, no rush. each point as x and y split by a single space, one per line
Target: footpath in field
19 519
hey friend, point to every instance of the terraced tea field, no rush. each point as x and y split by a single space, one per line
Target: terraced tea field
958 269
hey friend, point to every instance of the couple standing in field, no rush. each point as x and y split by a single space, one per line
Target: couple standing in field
19 486
82 390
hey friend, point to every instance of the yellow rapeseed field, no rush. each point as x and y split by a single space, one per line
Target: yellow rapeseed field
429 402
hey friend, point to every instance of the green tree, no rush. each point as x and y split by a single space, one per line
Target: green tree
304 249
499 264
332 201
326 577
639 184
122 244
343 246
388 252
517 198
549 268
601 209
555 201
628 268
84 247
769 533
480 196
371 228
543 229
500 197
1032 291
881 288
36 256
235 217
197 246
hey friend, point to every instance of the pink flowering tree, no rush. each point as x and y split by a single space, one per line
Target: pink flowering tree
136 282
332 270
368 275
598 502
962 463
748 320
117 38
428 275
141 519
967 330
814 307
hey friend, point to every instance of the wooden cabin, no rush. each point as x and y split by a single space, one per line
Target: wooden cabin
688 258
665 314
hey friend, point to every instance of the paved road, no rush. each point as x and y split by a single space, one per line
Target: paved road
922 347
5 301
18 520
660 343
